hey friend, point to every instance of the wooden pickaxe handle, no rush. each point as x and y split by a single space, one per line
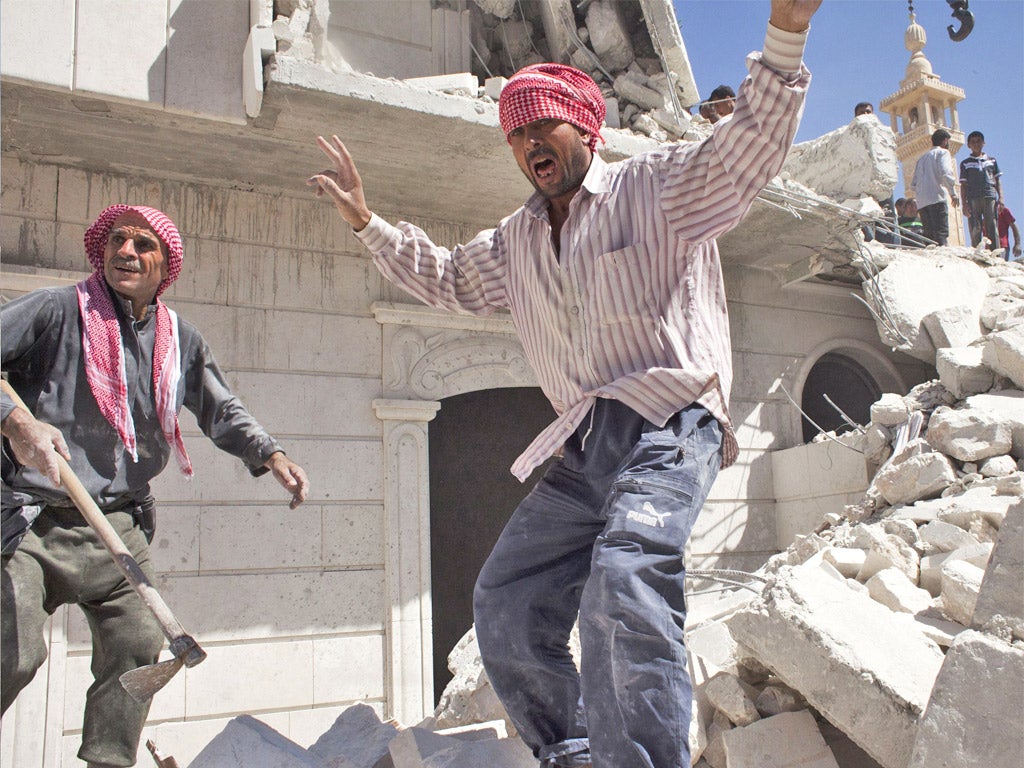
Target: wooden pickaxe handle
182 645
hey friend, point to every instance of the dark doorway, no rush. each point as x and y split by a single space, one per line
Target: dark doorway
473 441
848 384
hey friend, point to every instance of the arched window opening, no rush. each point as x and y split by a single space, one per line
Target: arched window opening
847 384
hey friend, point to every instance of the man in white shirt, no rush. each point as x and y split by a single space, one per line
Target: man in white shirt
612 276
933 177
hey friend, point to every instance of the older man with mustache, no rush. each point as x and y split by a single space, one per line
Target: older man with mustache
105 366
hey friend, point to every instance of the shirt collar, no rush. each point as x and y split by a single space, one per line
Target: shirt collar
126 307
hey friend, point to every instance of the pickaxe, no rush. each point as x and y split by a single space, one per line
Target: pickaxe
144 682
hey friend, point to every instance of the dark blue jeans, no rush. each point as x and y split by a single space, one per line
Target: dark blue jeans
602 536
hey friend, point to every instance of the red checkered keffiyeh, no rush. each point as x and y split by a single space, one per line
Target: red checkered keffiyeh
545 91
101 337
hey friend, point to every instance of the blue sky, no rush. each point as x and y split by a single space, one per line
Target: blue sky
855 53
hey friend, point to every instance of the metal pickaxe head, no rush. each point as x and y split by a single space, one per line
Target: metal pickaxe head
143 683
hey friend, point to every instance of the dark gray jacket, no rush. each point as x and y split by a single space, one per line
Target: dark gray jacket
41 340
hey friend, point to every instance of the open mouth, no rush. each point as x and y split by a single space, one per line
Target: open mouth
130 268
543 165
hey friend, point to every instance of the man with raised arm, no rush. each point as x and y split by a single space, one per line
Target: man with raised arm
612 276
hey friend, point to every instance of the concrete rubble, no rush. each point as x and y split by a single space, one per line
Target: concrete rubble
632 48
890 635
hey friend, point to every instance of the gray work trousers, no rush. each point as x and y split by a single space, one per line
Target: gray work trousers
61 560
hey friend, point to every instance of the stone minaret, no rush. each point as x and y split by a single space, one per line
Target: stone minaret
922 105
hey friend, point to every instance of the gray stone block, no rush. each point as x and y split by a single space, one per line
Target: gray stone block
789 740
961 583
357 736
822 638
1001 599
417 748
976 708
246 742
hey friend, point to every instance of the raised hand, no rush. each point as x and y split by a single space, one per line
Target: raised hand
342 183
793 15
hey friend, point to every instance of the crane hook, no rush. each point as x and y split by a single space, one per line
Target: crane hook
965 17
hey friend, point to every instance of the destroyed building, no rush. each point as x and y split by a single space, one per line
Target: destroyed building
362 597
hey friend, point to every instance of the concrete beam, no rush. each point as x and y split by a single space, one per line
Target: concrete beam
822 639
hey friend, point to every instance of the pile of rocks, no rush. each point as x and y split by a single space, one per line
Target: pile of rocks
609 39
892 635
359 739
647 84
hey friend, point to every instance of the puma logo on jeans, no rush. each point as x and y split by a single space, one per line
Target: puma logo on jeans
649 516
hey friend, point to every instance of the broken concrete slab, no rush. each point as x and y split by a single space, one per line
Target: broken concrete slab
890 410
556 16
976 709
713 643
857 159
961 583
1000 604
895 591
821 638
982 502
1004 353
358 736
1009 404
979 501
608 34
934 626
847 560
246 742
931 565
915 473
469 697
962 371
776 698
417 748
913 287
789 740
997 466
1004 300
941 536
733 698
969 434
889 551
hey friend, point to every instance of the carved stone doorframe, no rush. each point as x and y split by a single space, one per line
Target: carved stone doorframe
427 356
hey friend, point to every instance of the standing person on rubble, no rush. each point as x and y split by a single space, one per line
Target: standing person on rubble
105 366
982 192
612 276
933 177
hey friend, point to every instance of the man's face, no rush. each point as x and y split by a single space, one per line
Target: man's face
864 109
553 154
725 107
134 263
975 144
910 209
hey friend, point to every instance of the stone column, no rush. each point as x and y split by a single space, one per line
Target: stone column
409 677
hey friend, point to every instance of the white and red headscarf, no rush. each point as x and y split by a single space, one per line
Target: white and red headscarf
546 91
103 351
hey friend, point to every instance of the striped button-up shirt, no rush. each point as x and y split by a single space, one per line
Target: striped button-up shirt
634 306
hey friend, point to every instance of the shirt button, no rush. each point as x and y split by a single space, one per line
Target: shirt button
574 310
